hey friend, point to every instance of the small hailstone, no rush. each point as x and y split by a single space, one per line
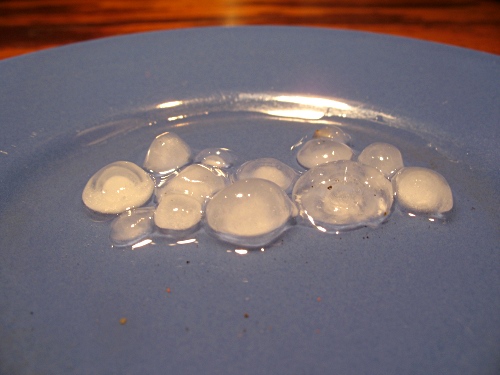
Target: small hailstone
221 158
196 180
118 187
422 190
178 212
268 169
322 150
132 226
333 132
167 153
343 195
250 212
383 156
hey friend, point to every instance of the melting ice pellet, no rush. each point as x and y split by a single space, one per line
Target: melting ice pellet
132 226
322 150
167 153
383 156
222 158
333 132
268 169
335 194
422 190
343 195
196 180
250 212
117 187
178 213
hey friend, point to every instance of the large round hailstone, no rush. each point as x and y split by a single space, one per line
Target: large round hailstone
167 153
132 226
221 158
250 212
422 190
118 187
322 150
343 195
196 180
383 156
333 132
178 213
268 169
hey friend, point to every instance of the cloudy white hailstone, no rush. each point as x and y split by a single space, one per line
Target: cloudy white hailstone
383 156
250 212
322 150
221 158
333 132
422 190
196 180
132 226
343 195
167 153
178 212
268 169
118 187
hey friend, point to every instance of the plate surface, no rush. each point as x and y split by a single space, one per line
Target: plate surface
410 296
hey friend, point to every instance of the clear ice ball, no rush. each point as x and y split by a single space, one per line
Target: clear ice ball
250 212
268 169
167 153
118 187
343 195
422 191
321 151
383 156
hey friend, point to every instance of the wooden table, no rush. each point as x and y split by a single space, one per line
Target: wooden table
32 25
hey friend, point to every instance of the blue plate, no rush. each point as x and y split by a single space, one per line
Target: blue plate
411 296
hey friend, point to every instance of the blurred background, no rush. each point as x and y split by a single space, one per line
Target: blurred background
32 25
